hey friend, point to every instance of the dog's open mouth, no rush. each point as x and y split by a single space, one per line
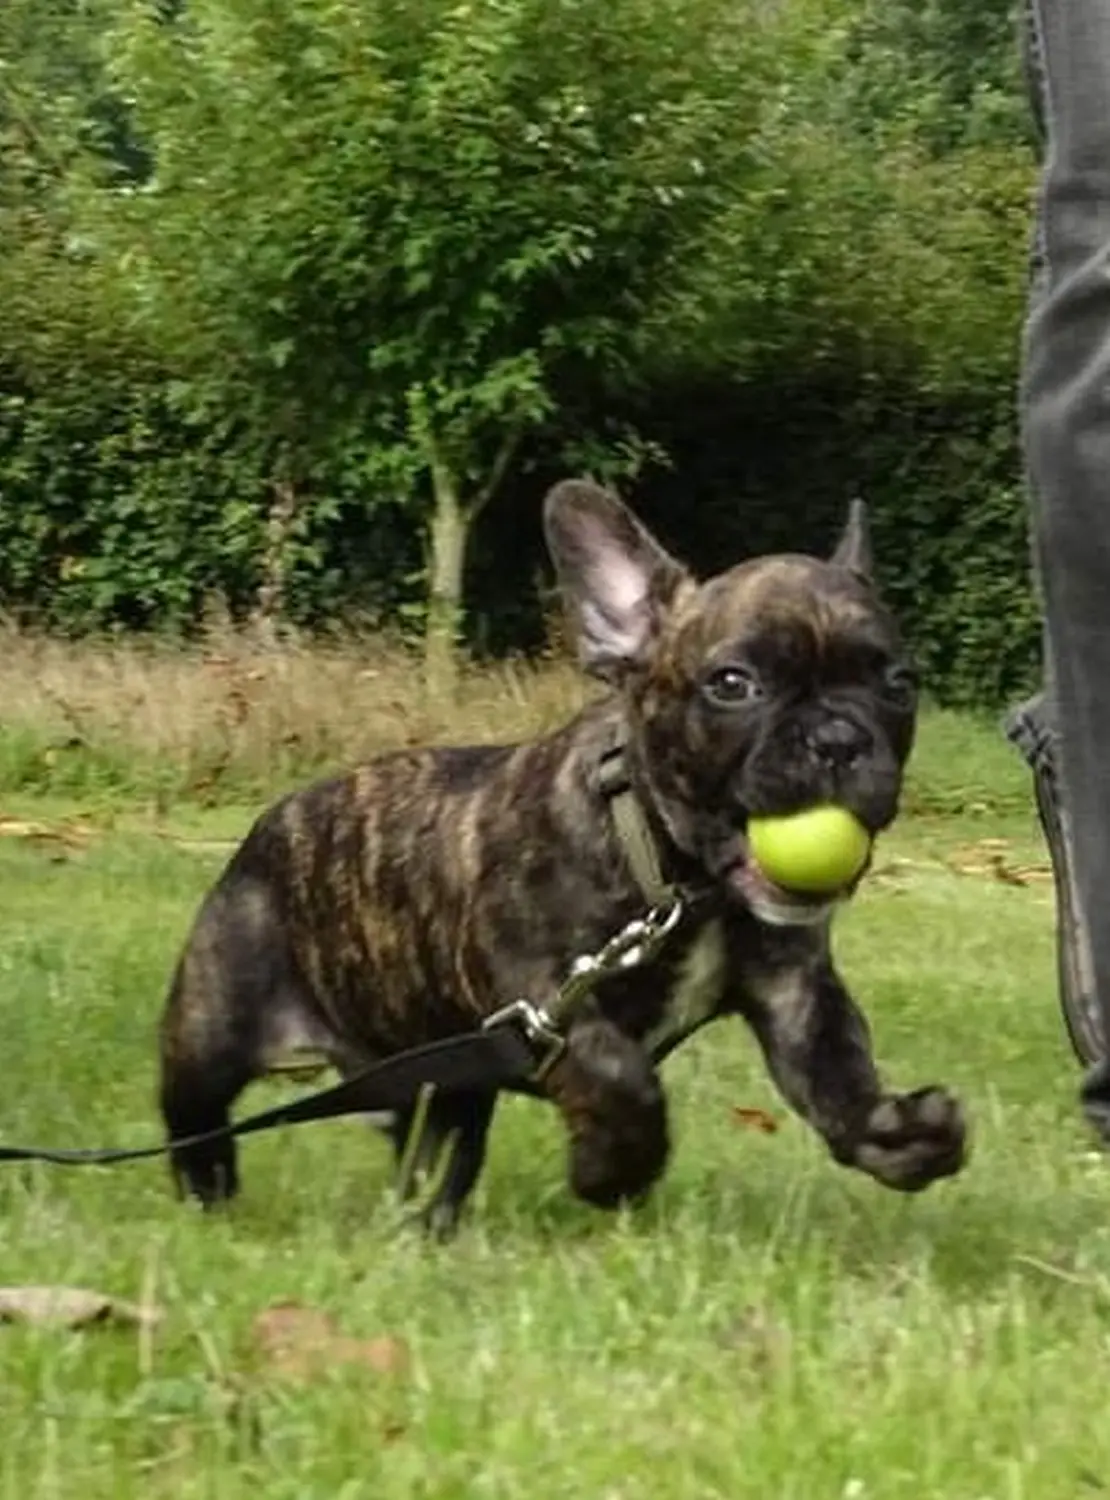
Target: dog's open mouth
771 902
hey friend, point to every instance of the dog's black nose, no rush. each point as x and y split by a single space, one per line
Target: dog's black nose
839 742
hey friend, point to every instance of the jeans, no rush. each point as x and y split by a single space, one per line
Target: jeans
1065 429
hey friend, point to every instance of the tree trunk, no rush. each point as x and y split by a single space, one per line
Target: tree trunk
449 534
449 537
270 604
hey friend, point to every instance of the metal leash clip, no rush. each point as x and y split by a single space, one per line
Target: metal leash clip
633 946
537 1025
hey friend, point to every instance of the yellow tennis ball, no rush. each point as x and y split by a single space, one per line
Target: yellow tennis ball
819 849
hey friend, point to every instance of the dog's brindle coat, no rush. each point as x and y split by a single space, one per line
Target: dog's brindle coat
410 898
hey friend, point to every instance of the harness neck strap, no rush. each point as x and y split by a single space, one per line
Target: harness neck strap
633 830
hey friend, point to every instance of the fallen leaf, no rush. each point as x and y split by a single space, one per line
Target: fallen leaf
992 858
385 1355
754 1119
288 1324
1021 875
69 1307
302 1341
73 835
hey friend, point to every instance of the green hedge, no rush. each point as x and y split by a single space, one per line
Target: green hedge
114 513
773 468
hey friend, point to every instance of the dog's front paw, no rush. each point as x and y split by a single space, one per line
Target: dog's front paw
911 1140
613 1104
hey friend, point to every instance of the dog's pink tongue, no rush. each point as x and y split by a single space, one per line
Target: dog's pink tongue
749 881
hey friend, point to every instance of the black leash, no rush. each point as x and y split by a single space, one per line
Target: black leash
492 1058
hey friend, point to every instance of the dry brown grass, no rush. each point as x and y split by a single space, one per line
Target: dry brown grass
235 718
231 713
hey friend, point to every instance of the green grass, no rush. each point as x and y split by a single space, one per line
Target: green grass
771 1326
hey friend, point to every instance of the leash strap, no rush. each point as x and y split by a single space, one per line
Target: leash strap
485 1059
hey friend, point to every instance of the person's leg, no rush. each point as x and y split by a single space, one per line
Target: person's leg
1065 733
1032 728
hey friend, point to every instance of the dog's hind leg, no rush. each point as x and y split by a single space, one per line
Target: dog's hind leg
236 1001
207 1058
818 1049
196 1095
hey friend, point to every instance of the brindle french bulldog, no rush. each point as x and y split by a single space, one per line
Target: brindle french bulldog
412 897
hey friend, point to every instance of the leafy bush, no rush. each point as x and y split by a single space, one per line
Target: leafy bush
280 322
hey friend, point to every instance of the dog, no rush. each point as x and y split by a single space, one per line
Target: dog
410 898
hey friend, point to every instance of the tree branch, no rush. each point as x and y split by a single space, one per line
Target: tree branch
498 469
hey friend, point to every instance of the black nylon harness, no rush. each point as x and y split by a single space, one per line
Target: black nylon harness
516 1044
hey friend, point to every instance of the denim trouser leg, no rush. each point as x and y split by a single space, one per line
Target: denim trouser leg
1066 436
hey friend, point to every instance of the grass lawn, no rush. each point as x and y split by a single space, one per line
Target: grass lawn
771 1326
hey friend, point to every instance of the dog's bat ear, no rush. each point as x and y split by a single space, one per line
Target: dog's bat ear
853 551
615 577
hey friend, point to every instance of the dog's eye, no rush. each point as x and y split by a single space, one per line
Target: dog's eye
728 686
900 682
